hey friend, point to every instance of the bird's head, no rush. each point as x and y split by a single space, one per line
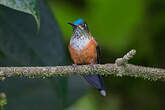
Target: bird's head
80 24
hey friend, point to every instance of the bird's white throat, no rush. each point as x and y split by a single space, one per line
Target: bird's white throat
80 39
80 42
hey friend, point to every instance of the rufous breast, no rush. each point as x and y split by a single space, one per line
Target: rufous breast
86 55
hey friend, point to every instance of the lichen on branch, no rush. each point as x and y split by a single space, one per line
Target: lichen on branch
119 68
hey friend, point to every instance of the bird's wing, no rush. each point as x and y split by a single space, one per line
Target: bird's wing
98 50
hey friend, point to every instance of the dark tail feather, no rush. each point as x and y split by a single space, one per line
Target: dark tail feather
97 82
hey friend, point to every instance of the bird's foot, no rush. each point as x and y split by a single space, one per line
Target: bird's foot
92 65
74 65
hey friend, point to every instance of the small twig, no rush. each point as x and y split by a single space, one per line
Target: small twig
121 62
120 68
124 60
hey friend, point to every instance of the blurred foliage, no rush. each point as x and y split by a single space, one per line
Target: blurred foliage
117 25
3 100
22 45
110 21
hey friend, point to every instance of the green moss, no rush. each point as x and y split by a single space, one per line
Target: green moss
3 100
17 74
2 78
119 75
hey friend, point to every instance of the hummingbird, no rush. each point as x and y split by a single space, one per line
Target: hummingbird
84 49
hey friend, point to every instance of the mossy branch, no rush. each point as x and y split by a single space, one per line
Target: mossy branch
120 68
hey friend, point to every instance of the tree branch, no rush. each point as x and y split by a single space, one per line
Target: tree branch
120 68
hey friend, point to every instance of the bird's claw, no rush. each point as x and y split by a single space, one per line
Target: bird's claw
92 65
74 65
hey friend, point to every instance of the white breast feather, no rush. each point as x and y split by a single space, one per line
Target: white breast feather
79 43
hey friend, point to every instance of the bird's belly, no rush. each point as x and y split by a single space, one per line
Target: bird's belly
86 55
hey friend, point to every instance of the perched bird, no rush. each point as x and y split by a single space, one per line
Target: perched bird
84 49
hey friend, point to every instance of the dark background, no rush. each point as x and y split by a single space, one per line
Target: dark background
118 26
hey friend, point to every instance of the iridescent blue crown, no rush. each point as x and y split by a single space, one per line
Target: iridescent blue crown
78 21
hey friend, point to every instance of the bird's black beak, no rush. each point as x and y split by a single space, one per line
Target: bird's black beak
74 26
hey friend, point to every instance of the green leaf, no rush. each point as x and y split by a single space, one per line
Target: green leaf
26 6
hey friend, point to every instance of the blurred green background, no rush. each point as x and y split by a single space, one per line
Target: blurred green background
118 26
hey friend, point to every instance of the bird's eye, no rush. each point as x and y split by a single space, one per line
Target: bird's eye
84 25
